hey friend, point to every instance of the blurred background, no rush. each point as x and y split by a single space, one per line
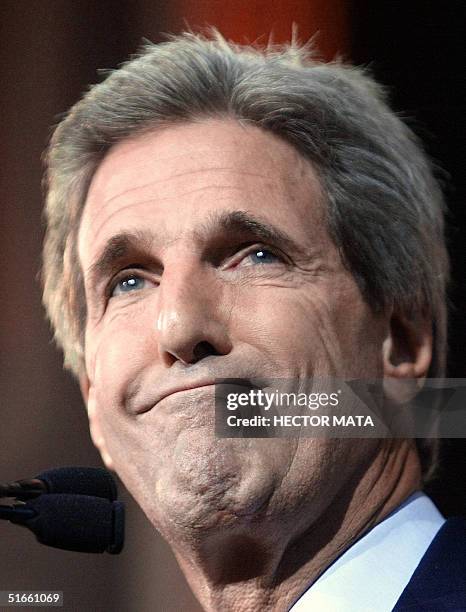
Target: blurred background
50 51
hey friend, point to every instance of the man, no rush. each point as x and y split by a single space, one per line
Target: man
224 212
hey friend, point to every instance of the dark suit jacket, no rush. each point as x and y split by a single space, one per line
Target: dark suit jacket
439 582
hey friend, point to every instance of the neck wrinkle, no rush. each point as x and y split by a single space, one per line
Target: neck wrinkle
366 500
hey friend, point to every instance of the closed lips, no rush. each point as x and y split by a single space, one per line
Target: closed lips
170 392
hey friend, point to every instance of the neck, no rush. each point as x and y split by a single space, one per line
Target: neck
257 569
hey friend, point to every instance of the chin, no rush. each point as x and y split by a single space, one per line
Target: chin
211 484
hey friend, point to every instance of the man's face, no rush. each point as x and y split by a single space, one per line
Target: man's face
205 255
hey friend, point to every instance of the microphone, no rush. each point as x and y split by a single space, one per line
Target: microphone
81 523
95 482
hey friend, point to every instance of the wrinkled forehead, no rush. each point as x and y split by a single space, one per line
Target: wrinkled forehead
200 166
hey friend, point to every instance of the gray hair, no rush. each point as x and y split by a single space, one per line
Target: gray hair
384 206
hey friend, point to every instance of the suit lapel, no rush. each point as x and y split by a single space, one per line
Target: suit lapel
439 582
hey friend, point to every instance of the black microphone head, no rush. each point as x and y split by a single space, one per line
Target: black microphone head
78 522
96 482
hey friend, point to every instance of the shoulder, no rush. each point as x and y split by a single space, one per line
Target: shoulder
439 582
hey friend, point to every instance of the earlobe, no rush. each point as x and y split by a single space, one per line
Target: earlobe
94 424
407 349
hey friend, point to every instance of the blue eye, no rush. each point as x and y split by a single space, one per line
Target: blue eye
263 256
127 284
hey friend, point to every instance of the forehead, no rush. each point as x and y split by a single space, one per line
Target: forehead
174 175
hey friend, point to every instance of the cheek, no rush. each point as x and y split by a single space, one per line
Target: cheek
317 328
119 349
295 330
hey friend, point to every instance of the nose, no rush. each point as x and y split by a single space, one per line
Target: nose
190 325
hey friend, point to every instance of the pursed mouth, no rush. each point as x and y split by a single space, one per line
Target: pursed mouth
171 394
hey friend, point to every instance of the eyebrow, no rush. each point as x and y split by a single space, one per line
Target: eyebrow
241 223
119 248
219 225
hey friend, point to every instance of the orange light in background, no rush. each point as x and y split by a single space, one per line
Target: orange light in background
246 21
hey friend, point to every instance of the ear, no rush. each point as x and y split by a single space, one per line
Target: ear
407 349
94 424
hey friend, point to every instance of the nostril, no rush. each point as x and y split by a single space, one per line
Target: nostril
203 349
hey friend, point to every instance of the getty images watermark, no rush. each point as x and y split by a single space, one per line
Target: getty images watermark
330 407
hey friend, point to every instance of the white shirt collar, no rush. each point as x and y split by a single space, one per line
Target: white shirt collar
374 571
